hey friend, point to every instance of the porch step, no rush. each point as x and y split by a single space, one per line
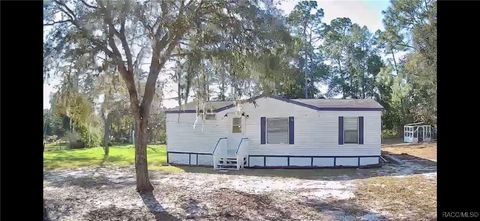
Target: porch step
230 163
226 166
227 163
227 157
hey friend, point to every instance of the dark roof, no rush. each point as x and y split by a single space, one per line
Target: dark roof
210 105
316 104
341 103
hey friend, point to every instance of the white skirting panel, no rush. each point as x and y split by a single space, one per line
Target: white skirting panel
368 161
300 161
277 162
256 161
323 162
205 160
176 158
347 161
190 159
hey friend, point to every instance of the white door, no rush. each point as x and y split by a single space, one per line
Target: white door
236 132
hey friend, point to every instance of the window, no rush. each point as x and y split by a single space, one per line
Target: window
237 125
350 129
210 117
277 130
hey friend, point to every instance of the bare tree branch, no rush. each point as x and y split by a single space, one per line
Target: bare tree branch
166 45
57 22
138 58
65 9
88 5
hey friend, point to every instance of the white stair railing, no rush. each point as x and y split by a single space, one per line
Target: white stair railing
221 159
219 150
241 152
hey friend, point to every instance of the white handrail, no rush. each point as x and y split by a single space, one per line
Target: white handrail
240 153
219 151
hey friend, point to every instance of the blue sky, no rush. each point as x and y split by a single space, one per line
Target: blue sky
362 12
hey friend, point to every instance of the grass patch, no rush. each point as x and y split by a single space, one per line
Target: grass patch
411 198
118 156
59 145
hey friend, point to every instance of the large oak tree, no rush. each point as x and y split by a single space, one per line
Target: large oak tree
125 33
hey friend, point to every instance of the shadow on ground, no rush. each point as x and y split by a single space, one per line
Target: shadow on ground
155 208
235 205
89 178
343 210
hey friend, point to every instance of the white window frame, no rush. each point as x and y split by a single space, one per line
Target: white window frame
266 129
358 131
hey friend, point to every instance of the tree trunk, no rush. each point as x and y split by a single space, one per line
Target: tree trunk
222 86
141 166
106 134
394 62
303 66
187 86
344 93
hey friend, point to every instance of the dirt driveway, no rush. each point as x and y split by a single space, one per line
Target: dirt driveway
426 151
406 191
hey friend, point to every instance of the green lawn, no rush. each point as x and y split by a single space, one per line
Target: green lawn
118 156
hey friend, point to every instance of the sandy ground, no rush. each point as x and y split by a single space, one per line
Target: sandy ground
426 151
108 193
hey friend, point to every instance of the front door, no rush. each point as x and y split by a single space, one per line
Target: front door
420 134
236 131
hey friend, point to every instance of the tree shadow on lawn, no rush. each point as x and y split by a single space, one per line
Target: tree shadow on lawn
118 213
346 209
227 204
238 205
412 165
155 208
88 181
85 179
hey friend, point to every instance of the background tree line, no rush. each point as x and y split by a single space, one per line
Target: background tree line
109 55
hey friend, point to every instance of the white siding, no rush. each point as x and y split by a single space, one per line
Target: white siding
316 133
181 136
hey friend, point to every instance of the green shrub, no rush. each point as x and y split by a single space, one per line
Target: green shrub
163 138
386 133
84 137
91 136
74 140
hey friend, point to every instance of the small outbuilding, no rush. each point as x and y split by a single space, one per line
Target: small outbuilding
417 133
